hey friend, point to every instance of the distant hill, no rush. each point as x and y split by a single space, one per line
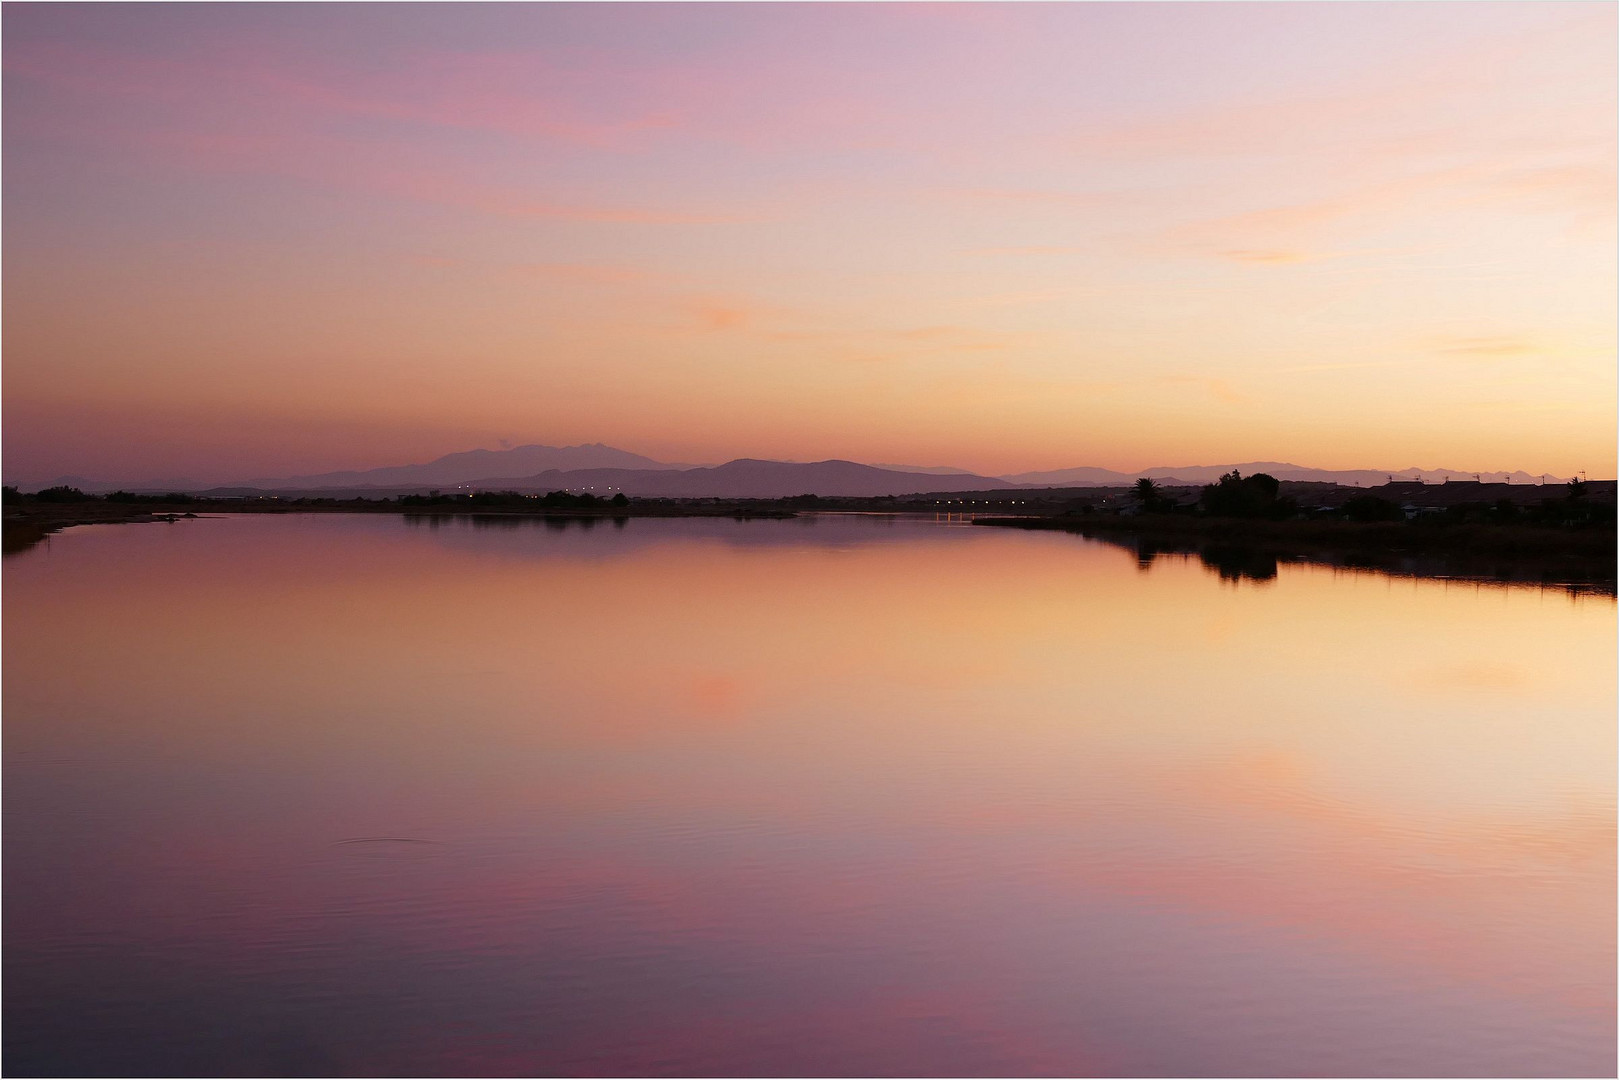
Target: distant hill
594 465
748 478
100 487
1208 474
936 470
1084 476
472 465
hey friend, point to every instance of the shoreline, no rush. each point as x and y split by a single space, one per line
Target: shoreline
1580 559
1576 559
27 524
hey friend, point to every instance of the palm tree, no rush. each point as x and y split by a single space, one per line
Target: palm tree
1146 493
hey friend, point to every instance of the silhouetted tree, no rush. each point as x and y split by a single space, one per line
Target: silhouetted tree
1372 508
1241 496
569 501
62 493
134 497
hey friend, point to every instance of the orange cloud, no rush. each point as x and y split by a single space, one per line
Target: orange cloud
714 315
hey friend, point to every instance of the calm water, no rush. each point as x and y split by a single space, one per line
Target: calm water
328 794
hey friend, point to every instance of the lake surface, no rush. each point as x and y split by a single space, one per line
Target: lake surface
835 795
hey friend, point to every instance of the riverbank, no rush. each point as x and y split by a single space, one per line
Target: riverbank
1583 557
27 522
26 525
1239 548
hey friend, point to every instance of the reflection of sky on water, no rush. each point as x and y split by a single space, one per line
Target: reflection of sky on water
891 798
605 537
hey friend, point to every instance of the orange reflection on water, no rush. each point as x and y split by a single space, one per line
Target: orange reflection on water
998 784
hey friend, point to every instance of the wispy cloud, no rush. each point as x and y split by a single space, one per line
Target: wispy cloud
502 93
1348 365
1219 389
1050 196
963 338
244 112
1030 207
1587 192
1485 347
1267 257
602 214
716 314
1031 249
589 273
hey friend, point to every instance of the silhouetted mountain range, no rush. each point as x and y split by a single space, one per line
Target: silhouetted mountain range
471 466
1207 474
936 470
595 467
747 478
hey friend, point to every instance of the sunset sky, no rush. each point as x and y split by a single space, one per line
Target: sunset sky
258 240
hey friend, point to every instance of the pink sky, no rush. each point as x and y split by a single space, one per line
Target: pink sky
257 240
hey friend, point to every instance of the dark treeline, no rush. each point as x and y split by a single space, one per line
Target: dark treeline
64 494
507 499
1255 498
30 516
557 500
1240 526
1258 498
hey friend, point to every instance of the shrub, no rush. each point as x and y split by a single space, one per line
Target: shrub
63 494
1372 508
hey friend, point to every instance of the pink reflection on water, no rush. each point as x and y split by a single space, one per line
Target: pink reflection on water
820 798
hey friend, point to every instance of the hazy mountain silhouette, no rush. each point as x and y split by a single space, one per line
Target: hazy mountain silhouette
1208 474
100 487
594 466
749 478
936 470
1084 476
473 465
